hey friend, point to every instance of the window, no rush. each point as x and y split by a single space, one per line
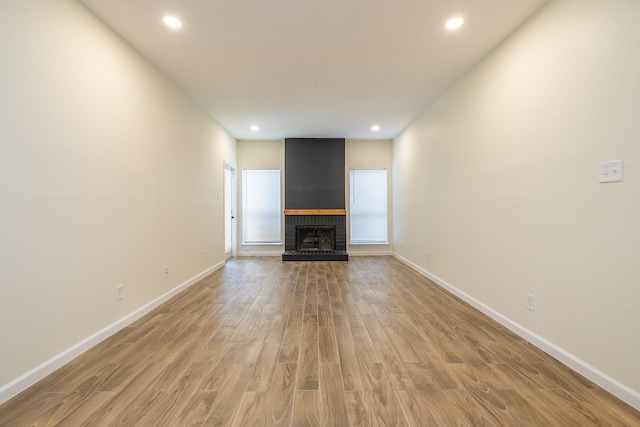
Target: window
261 214
368 206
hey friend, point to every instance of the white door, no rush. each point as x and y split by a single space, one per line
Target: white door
229 210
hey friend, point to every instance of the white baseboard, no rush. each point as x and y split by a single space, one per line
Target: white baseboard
351 253
259 254
371 253
28 379
613 386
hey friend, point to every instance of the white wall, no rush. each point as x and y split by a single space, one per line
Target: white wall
370 154
497 194
269 154
259 154
108 173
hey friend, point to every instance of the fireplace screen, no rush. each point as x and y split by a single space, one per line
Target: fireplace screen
316 238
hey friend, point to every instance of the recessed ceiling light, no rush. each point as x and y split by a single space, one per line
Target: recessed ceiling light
255 128
454 23
375 128
172 21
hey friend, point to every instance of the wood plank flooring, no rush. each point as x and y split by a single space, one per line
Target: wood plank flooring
368 342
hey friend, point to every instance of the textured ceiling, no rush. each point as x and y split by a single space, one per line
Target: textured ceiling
303 68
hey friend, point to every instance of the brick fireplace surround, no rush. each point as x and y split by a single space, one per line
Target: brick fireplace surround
315 218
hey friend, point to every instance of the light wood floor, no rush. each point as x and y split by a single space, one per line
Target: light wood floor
367 342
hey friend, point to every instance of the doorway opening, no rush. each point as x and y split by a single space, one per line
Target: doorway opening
229 211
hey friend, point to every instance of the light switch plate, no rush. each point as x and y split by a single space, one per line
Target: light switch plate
611 171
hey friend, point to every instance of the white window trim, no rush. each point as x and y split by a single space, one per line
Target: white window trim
386 208
278 209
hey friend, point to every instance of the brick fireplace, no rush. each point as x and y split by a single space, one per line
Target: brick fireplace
315 235
315 214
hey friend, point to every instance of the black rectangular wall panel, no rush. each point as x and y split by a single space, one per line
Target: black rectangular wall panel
314 173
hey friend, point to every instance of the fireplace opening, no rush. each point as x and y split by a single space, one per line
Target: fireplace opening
316 238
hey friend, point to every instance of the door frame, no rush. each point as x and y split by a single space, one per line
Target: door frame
230 200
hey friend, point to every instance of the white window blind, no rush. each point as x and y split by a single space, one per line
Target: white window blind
261 213
368 206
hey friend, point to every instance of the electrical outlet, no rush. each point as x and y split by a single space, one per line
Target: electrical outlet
165 272
428 257
611 171
206 255
119 292
531 302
